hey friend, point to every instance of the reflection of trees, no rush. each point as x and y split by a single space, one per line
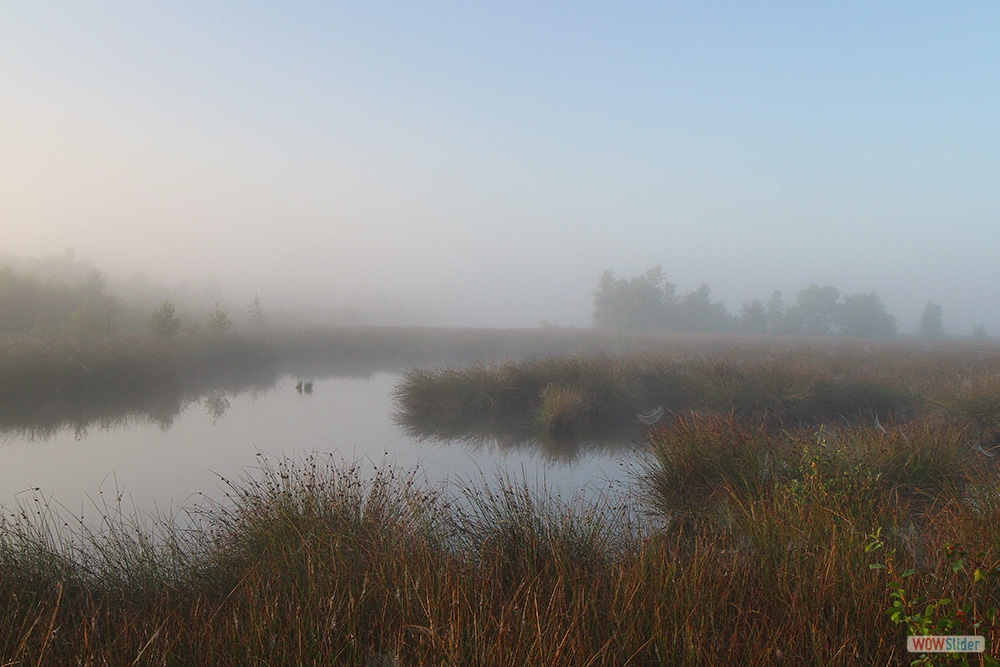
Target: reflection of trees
216 403
41 420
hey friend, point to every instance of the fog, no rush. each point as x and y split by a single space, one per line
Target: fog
480 165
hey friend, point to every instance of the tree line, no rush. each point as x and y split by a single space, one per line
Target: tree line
650 302
86 310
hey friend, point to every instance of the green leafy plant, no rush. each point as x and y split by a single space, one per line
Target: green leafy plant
924 615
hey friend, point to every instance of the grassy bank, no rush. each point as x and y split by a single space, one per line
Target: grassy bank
790 383
747 546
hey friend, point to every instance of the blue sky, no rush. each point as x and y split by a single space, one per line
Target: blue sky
481 163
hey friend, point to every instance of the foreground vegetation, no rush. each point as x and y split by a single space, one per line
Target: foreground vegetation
746 546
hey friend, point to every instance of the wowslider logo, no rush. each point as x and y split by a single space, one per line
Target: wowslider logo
946 644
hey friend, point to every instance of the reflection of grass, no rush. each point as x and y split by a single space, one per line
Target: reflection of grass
313 562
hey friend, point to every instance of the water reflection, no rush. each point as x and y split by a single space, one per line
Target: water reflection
159 408
498 436
171 448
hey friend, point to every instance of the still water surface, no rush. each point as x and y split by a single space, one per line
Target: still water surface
163 464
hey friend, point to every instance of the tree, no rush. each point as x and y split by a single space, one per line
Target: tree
218 322
816 311
163 323
638 303
864 316
257 315
753 317
775 313
697 312
931 322
93 316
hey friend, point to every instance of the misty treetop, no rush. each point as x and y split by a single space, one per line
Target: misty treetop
931 322
29 305
651 303
33 306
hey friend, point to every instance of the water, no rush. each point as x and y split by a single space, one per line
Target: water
169 460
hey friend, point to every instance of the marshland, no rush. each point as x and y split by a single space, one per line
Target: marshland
390 333
784 501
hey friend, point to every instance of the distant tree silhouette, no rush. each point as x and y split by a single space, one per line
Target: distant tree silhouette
931 322
697 312
638 303
816 312
30 305
775 313
163 323
218 322
753 317
864 316
257 315
650 302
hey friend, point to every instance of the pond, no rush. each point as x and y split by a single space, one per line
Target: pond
162 461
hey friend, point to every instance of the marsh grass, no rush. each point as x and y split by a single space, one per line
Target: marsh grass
588 395
319 561
749 542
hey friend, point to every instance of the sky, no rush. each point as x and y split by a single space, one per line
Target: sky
480 164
